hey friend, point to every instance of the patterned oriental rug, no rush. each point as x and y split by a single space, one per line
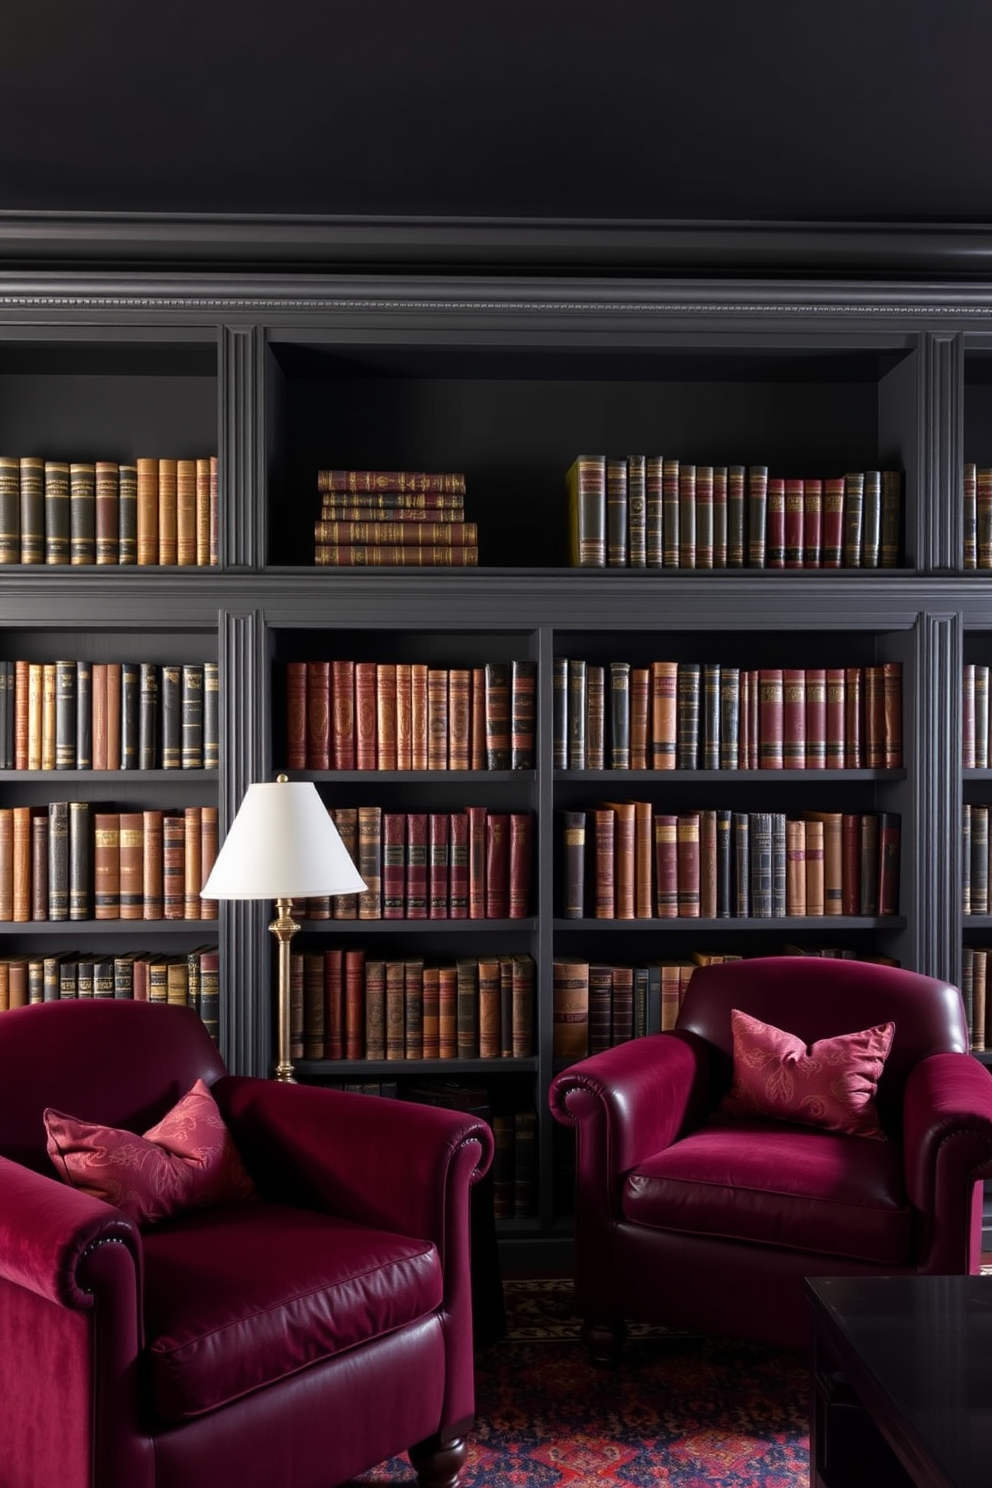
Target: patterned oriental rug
681 1410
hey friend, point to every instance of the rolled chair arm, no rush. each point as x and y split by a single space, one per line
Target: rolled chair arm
50 1234
947 1136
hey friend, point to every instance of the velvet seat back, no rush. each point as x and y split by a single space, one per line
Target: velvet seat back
818 997
118 1063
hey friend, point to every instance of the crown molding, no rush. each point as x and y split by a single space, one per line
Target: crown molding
578 246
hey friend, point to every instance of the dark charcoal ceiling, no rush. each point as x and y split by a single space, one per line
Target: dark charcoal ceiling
856 110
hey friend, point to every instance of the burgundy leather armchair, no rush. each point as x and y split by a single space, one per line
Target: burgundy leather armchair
294 1340
691 1219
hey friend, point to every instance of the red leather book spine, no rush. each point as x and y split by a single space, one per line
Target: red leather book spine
296 715
418 716
793 718
334 1003
687 838
604 861
794 524
366 727
816 718
437 718
523 709
833 521
624 857
173 865
416 865
152 866
775 522
812 522
521 850
438 866
836 733
404 716
666 871
854 719
664 715
497 865
476 818
458 866
375 1009
874 743
385 706
342 715
851 860
892 716
318 715
459 718
354 1004
770 719
393 865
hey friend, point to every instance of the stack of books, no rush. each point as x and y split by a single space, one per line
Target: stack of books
393 518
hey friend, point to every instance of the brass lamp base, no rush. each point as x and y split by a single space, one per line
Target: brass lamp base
284 927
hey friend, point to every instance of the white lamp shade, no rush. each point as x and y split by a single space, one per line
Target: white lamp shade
282 845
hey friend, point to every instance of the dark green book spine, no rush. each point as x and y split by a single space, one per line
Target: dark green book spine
617 506
688 710
724 864
58 860
854 511
10 509
760 833
191 708
576 713
80 860
128 514
32 509
66 710
637 515
82 512
742 865
711 716
56 511
148 710
171 705
654 519
871 520
211 715
559 712
619 715
130 714
84 715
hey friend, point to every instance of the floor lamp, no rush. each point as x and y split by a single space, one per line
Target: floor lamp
282 845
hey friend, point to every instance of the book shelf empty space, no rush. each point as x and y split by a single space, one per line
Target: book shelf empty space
512 419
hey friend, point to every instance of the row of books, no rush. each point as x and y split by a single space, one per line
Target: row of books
976 896
368 715
624 860
115 715
975 992
644 511
73 860
975 716
976 495
347 1004
382 518
156 511
685 715
471 864
187 980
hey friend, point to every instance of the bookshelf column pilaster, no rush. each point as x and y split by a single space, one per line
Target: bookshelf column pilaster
240 449
934 844
246 1024
940 527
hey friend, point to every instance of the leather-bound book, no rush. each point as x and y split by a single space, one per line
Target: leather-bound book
704 516
874 715
333 986
871 524
106 865
854 497
34 714
84 715
760 832
737 546
341 688
831 823
741 858
623 1004
186 513
640 708
345 906
637 556
836 719
670 514
687 516
600 1006
688 860
313 1005
617 513
57 512
112 715
619 715
730 717
370 862
127 515
418 716
413 1009
497 865
523 976
689 696
467 1007
431 1012
719 516
168 511
815 867
812 522
666 880
174 865
595 716
709 717
585 483
153 833
438 731
438 830
447 997
7 864
602 822
68 976
296 1005
979 999
354 1004
795 522
202 512
851 857
191 709
490 1007
654 518
523 707
48 716
106 476
966 859
573 864
131 841
66 710
375 1011
559 712
520 855
969 722
39 865
664 715
477 855
889 854
854 719
192 861
366 722
892 716
170 703
576 713
210 990
477 758
148 716
459 718
396 555
757 515
32 509
385 706
778 864
707 864
404 716
318 729
458 858
816 718
82 512
417 868
296 715
793 718
393 865
80 860
22 670
422 487
834 492
871 863
771 718
624 857
147 510
214 511
130 714
570 1008
724 863
497 683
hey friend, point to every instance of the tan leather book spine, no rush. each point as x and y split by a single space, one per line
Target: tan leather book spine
132 878
114 682
432 1012
477 747
342 692
603 822
22 689
815 868
795 867
21 880
447 1016
640 709
366 725
6 863
168 511
147 511
570 1009
385 709
99 712
151 864
203 512
192 861
177 982
437 718
209 841
186 513
489 1007
214 511
459 718
4 986
624 857
644 859
18 980
48 715
664 714
106 865
413 1009
36 705
418 716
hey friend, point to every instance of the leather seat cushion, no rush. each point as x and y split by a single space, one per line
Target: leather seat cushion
778 1184
239 1297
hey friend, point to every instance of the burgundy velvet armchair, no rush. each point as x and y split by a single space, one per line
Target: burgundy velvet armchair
691 1218
289 1341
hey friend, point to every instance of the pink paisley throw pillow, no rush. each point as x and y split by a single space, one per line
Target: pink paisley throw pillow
187 1161
831 1084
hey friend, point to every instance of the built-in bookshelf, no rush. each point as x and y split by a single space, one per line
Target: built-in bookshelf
509 382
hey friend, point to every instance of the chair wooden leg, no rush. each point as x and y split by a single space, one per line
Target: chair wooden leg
439 1464
604 1340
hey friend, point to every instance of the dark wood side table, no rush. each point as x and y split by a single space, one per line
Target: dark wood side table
901 1382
